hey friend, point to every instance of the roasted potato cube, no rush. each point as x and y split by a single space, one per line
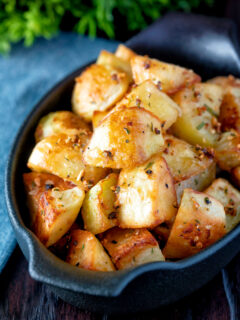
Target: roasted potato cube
148 96
229 197
36 183
57 211
98 210
86 251
98 88
197 182
230 108
191 166
109 59
200 222
125 138
131 247
124 53
200 106
169 77
146 195
227 150
62 155
53 204
226 82
97 118
61 122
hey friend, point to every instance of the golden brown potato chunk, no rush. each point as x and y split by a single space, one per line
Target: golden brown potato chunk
86 251
146 195
225 82
54 209
225 193
131 247
98 88
61 122
62 155
230 108
227 150
200 222
191 166
197 182
169 77
110 60
124 53
148 96
125 138
200 106
36 183
98 211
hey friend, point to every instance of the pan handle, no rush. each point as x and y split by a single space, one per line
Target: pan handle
206 44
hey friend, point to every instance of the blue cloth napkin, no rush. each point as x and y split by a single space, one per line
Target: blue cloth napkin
25 76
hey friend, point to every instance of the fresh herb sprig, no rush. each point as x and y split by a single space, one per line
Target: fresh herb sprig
25 20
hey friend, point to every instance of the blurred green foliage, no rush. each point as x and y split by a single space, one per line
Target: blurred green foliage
27 19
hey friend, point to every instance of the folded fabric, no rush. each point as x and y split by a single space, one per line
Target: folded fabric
25 76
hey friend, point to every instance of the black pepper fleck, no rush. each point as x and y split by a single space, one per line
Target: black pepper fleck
112 215
49 186
207 201
149 171
107 153
146 65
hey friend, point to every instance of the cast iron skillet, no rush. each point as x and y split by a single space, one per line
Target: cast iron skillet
209 46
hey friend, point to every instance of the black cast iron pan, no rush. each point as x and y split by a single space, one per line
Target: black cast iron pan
207 45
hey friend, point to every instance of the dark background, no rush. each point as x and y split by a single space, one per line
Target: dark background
222 8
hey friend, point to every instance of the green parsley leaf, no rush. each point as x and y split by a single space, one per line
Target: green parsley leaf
211 111
200 126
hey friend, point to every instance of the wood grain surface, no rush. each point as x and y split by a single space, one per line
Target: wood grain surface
22 298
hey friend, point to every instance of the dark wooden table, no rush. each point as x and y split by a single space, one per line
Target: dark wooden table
23 298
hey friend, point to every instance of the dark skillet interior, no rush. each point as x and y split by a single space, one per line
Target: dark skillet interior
152 285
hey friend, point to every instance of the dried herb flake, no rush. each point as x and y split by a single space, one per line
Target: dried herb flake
200 126
211 111
149 165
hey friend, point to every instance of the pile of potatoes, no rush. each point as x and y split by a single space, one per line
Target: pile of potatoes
129 175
